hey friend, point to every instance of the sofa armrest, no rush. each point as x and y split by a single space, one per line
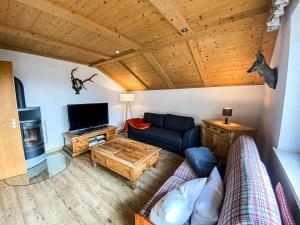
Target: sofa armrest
191 138
139 220
130 131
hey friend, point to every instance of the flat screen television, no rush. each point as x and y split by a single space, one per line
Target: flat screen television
83 116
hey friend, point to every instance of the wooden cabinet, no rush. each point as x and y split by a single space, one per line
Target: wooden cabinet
12 160
76 144
218 137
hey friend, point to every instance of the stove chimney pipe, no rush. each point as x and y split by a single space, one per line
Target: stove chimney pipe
20 93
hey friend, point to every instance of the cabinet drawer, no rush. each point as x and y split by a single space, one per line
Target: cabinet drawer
99 158
153 159
80 148
122 170
109 163
142 168
223 132
217 130
111 134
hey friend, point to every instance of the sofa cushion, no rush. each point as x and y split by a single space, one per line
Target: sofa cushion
171 183
201 160
185 171
208 205
161 135
180 123
155 119
249 197
176 207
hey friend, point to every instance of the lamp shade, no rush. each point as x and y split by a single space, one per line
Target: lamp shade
127 97
227 112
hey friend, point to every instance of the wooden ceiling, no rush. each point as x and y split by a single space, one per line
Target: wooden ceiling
220 44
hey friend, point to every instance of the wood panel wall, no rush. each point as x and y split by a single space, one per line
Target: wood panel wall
161 44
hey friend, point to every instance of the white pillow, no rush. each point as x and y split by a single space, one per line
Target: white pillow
176 207
208 204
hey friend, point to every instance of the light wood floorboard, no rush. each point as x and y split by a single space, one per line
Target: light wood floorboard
83 194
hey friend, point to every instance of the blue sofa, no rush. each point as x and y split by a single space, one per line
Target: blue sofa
171 132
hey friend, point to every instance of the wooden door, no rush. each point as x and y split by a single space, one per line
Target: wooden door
12 160
220 145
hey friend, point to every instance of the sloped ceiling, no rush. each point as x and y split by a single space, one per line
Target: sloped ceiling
219 45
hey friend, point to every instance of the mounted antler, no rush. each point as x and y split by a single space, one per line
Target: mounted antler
77 84
72 73
89 79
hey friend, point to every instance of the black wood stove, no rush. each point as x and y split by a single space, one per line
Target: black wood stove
31 128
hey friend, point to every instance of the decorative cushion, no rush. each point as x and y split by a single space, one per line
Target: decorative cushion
249 197
209 202
155 119
137 123
285 212
201 160
180 123
185 171
171 183
176 207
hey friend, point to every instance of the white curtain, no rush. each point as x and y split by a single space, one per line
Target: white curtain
277 11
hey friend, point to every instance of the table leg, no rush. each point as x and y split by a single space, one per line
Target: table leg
92 159
133 185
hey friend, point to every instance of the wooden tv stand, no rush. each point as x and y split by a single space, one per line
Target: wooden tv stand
77 143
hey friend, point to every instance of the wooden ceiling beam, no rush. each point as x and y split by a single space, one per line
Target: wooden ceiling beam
198 60
111 76
119 58
67 15
169 11
23 50
196 84
46 40
158 68
133 74
177 20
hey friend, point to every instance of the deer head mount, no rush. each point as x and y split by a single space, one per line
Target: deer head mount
78 84
269 75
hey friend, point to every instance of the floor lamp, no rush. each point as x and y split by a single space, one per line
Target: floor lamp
127 98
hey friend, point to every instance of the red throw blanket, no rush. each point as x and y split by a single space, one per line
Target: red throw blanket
137 123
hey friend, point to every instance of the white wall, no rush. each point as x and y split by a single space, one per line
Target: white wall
290 129
204 103
281 114
280 121
47 84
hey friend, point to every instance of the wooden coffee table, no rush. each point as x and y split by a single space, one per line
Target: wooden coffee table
126 157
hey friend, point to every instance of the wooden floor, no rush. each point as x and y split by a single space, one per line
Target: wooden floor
83 194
